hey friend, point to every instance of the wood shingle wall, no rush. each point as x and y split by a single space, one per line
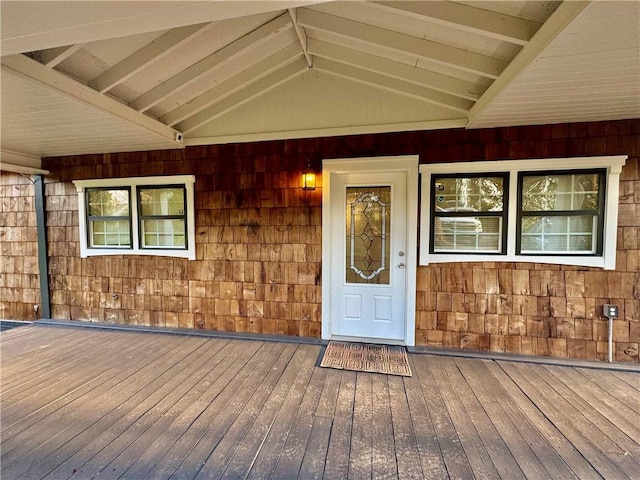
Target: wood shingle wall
258 247
19 277
532 308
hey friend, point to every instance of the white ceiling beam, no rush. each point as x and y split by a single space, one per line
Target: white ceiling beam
401 71
431 51
469 19
29 26
11 161
328 132
302 37
57 82
248 76
554 26
10 167
393 85
55 56
243 96
156 50
216 60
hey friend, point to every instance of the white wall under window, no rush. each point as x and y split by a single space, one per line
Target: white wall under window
183 249
607 259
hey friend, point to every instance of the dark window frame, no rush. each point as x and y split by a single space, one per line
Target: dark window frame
90 218
141 217
599 231
504 214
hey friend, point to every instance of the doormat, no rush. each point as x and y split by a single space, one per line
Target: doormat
367 357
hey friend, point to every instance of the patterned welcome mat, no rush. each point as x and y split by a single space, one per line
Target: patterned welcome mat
367 357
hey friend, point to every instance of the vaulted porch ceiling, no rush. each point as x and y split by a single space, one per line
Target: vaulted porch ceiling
93 77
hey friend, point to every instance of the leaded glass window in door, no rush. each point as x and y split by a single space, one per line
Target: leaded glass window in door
368 228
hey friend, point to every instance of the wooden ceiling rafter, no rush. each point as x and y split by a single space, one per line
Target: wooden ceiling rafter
430 51
239 81
435 81
54 56
302 36
243 96
159 48
394 85
216 60
467 18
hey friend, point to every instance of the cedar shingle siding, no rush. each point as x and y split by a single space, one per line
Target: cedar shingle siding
258 242
19 278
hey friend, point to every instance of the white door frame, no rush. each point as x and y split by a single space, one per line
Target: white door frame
406 163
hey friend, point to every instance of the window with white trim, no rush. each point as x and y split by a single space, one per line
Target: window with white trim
137 216
561 211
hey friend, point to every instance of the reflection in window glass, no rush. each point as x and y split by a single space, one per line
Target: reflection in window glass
162 217
163 233
162 201
468 214
560 213
108 218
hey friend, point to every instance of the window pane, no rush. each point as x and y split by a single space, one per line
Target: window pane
560 192
470 234
109 233
475 194
163 233
108 203
161 201
559 234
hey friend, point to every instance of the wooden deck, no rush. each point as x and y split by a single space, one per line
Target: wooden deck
88 403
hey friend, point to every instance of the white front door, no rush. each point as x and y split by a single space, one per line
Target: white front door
368 246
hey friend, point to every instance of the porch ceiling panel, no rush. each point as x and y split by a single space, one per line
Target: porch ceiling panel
112 76
591 71
340 105
45 122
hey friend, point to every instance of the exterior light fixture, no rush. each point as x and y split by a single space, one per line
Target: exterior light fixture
308 177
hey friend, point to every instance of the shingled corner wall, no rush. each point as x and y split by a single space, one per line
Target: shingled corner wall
19 275
258 247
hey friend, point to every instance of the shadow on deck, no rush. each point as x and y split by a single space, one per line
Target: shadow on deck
84 403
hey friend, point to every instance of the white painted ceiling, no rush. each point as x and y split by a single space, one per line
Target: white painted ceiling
96 77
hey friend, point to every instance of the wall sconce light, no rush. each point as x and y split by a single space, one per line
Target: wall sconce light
308 177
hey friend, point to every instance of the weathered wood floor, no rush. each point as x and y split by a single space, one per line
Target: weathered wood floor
87 403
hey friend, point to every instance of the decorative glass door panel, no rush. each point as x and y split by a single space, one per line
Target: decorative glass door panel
368 229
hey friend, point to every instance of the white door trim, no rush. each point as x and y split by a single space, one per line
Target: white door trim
408 164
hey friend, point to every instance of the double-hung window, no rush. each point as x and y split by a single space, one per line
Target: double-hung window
560 211
469 213
163 216
108 217
142 216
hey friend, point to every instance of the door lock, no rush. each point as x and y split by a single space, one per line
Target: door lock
401 253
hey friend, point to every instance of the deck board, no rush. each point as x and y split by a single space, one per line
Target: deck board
528 445
590 441
426 438
291 457
91 398
491 439
625 395
339 448
85 403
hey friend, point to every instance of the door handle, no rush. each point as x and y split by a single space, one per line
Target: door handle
401 266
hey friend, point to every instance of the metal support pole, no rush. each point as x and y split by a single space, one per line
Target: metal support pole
43 260
610 347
